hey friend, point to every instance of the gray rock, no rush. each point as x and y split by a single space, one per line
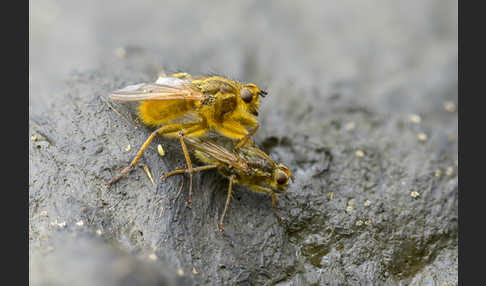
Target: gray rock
374 201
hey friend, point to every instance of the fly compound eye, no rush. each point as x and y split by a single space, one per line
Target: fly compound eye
281 178
246 95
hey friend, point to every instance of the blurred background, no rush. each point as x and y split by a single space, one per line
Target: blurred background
377 45
371 84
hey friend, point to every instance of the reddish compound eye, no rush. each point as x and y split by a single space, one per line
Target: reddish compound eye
281 178
246 95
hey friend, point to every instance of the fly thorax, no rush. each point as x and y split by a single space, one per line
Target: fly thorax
209 99
224 104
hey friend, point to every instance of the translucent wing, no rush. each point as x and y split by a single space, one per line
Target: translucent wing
165 88
217 152
256 158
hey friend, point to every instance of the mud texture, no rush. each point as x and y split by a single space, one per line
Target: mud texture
361 107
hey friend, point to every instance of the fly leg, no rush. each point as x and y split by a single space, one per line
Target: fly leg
236 131
274 206
183 171
161 131
274 200
189 167
192 131
246 120
228 199
246 138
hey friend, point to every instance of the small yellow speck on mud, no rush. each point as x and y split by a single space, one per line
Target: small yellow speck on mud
422 137
180 272
99 232
80 223
128 148
120 52
359 153
368 222
367 203
152 256
350 205
449 106
414 118
449 171
438 173
414 194
43 213
194 271
359 223
160 150
58 224
34 138
349 126
330 195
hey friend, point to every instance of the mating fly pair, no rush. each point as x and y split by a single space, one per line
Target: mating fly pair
189 108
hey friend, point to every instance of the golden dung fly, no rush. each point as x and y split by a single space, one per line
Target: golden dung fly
194 106
248 166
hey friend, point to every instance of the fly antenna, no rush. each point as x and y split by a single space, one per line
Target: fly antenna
262 93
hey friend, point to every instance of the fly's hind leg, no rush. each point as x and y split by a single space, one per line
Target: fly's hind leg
161 131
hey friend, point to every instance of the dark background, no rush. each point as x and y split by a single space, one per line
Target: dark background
378 77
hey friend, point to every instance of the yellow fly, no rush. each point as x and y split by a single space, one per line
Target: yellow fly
248 166
194 106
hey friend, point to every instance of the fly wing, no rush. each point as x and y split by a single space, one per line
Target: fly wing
258 159
217 152
165 88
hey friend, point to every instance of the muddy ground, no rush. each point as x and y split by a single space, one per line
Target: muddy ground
361 107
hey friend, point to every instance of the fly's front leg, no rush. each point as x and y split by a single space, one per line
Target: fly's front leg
246 138
247 121
233 129
274 200
274 206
